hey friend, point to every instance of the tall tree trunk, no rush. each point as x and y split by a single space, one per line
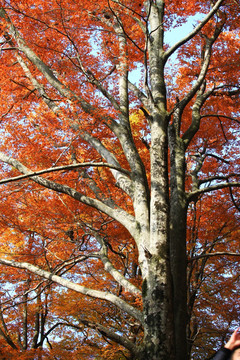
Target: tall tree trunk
158 341
178 215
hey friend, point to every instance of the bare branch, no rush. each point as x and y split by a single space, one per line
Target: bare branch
217 177
139 94
222 253
122 180
195 31
62 168
202 74
232 197
219 158
121 304
122 340
194 194
220 116
5 333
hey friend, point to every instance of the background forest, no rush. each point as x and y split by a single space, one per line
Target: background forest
119 175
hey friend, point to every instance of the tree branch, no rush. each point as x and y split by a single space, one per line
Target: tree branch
202 74
121 304
217 177
5 333
220 116
232 197
116 213
122 180
196 257
108 266
195 31
194 194
139 94
122 340
63 168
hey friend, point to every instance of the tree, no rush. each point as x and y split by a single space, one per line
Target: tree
118 162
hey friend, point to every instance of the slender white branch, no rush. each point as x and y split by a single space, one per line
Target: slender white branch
108 266
123 181
121 304
62 168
